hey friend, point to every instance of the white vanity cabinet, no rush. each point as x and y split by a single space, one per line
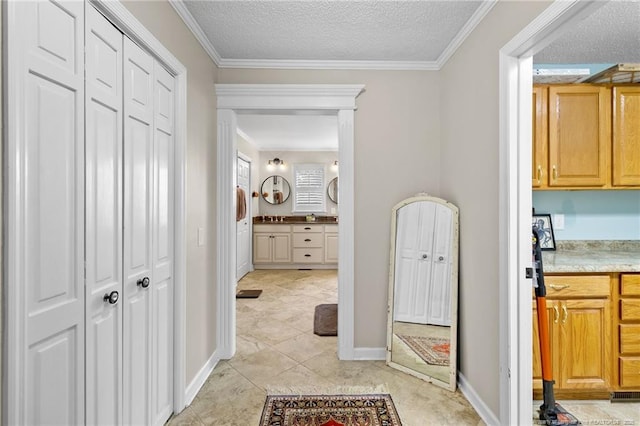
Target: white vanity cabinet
271 244
295 246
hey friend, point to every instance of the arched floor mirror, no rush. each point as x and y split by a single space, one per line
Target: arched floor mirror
423 290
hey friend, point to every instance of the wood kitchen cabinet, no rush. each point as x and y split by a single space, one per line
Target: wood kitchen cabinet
626 136
539 140
628 333
579 139
579 311
271 244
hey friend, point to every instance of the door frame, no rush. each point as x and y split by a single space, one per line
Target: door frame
14 201
516 79
336 99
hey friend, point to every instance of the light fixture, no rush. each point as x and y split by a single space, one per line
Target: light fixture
276 162
334 165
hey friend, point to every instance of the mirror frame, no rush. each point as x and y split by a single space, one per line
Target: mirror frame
335 179
285 198
453 335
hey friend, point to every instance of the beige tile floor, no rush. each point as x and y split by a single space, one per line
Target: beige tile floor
276 347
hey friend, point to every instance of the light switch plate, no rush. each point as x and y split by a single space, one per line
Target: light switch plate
200 237
558 221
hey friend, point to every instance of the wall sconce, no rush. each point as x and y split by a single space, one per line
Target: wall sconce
276 162
334 165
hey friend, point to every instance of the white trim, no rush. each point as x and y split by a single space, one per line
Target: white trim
196 30
241 97
200 378
466 30
515 76
369 354
245 136
304 64
477 403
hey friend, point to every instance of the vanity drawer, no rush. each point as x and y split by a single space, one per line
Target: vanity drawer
331 228
307 255
307 228
577 286
307 240
629 338
271 228
630 285
630 309
630 372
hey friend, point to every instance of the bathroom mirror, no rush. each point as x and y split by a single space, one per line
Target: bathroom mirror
423 290
332 190
275 190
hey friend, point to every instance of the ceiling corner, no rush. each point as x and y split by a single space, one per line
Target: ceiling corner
196 30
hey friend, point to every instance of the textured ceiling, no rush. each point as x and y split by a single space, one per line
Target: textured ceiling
290 132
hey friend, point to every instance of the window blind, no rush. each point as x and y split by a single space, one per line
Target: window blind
309 188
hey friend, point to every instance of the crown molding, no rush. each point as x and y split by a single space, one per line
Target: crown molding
330 65
196 30
467 29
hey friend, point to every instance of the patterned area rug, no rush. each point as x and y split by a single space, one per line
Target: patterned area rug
329 410
432 350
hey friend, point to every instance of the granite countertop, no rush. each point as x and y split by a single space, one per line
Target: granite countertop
592 256
285 220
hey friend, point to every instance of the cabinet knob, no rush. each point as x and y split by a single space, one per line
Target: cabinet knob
144 282
440 258
555 172
112 297
559 286
307 255
307 240
424 256
306 228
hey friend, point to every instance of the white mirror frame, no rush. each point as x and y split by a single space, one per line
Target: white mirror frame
453 355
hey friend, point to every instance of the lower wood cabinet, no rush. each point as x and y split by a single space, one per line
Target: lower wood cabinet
628 333
579 315
272 244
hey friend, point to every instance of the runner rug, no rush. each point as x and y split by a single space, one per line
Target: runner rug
432 350
329 410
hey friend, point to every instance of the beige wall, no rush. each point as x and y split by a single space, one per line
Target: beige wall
470 179
397 154
160 18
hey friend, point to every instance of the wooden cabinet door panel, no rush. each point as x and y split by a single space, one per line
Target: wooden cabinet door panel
579 135
630 372
629 338
630 285
630 309
626 135
585 344
281 248
539 138
261 248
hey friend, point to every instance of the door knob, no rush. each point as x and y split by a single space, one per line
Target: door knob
112 297
144 282
424 256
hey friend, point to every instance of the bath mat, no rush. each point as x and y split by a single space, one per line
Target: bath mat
432 350
325 320
248 294
329 410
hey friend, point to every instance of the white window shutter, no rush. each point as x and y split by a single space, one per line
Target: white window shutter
309 194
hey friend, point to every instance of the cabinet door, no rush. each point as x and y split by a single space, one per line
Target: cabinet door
331 248
579 135
553 315
281 248
261 248
585 351
626 136
539 142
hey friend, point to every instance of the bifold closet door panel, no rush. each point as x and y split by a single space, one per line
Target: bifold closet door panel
138 199
103 180
46 177
163 226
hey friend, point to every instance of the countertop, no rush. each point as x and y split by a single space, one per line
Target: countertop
286 220
592 256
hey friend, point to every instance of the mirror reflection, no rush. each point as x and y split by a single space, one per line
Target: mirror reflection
423 288
275 190
332 190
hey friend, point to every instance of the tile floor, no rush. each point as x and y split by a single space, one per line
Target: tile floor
276 347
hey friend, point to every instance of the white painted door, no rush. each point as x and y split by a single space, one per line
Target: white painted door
243 226
162 261
138 229
46 177
423 264
103 200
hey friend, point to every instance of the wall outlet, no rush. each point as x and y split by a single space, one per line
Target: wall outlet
558 221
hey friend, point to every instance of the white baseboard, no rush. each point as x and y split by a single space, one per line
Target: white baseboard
476 402
369 354
198 381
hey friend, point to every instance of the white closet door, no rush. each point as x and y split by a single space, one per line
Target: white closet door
440 288
103 220
138 228
243 233
162 286
47 173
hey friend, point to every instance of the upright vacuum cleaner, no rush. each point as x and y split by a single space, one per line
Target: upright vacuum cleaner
551 413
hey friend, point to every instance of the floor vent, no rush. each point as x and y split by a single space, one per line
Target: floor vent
625 397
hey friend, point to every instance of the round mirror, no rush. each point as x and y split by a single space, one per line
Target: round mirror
332 190
275 190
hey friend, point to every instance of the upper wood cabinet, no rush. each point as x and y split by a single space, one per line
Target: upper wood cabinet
539 138
579 136
626 136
